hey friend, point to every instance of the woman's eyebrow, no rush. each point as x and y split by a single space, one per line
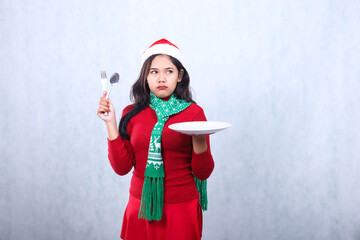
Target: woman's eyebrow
164 68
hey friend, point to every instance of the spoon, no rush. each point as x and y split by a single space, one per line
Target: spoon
113 81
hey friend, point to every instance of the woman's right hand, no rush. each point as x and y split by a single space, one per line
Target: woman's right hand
106 106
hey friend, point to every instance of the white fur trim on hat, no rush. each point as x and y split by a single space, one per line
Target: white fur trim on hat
162 46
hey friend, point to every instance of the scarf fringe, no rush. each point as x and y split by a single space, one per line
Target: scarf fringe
152 199
201 186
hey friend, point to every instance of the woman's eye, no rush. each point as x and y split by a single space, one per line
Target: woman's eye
153 72
170 71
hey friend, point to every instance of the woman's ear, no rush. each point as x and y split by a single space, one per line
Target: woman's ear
181 74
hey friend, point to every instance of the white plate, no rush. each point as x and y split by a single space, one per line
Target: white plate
199 127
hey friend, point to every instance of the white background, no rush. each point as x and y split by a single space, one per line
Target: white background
284 73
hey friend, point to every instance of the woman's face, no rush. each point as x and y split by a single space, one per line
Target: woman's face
163 76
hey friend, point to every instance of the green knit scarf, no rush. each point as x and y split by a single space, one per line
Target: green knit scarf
152 198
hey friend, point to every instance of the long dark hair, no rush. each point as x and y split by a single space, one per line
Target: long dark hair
140 92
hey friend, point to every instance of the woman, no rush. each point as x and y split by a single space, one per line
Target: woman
168 186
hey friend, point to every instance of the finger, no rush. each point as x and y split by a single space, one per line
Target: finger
104 101
102 109
103 106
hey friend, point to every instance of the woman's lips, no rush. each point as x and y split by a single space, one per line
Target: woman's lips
161 87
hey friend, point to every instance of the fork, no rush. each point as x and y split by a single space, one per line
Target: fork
103 82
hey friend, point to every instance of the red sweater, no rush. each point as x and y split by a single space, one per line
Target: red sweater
180 162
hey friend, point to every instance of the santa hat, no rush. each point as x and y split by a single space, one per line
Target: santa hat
162 46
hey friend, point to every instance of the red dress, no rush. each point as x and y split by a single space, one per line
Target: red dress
182 218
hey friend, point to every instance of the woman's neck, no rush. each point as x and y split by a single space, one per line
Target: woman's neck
166 98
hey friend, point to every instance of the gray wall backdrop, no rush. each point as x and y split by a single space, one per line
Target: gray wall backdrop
284 73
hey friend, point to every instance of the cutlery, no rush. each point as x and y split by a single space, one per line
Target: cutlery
113 81
103 81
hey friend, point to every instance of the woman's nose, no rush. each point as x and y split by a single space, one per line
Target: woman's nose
161 77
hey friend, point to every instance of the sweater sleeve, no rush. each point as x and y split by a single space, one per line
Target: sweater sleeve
202 164
121 153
